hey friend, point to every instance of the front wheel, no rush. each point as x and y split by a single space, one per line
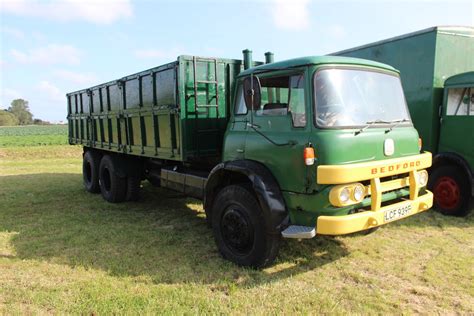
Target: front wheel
239 228
451 192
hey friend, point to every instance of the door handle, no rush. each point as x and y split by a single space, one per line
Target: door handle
254 126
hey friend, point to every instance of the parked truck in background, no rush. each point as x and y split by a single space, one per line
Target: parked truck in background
313 145
437 72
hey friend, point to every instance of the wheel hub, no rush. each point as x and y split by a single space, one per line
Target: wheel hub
236 230
447 193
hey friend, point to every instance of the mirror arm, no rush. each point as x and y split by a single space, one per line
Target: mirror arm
252 100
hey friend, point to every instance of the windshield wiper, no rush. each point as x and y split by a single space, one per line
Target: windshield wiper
396 123
370 123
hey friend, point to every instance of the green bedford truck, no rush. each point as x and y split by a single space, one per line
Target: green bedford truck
437 72
314 145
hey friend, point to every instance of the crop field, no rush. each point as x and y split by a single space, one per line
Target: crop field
33 135
63 250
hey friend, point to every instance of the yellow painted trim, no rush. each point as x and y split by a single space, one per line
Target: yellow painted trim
392 185
340 225
339 174
376 194
414 186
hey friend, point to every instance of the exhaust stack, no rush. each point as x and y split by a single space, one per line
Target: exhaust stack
269 58
248 62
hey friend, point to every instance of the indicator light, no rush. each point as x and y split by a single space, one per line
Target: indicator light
309 156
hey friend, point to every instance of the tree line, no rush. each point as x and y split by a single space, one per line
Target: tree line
19 114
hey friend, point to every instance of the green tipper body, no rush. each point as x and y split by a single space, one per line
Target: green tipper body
425 60
155 113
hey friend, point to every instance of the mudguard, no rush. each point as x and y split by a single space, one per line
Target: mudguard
455 159
265 187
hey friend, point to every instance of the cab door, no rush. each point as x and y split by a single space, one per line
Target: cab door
278 130
457 123
236 133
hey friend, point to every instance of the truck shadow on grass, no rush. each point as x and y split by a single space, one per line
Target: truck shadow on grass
163 238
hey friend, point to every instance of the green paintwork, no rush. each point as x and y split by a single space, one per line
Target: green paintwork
457 132
460 80
152 113
425 59
315 60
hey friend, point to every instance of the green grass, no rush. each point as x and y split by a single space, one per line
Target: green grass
33 135
63 250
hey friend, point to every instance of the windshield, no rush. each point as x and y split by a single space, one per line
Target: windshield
351 97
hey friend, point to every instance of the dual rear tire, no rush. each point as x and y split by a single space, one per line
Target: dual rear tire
103 174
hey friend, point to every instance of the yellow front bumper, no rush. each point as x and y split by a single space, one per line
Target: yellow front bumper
346 224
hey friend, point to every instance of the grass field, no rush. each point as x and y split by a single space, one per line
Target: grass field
63 250
33 135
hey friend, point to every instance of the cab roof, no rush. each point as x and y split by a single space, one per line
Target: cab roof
316 60
463 79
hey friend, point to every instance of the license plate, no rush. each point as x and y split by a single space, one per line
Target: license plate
397 213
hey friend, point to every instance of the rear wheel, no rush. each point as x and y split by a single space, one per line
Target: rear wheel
90 171
239 228
451 191
112 186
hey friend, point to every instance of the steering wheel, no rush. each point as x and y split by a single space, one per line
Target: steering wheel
330 111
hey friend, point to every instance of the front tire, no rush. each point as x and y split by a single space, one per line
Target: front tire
450 187
239 228
112 186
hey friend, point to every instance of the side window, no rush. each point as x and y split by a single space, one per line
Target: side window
460 102
283 95
275 96
296 103
240 107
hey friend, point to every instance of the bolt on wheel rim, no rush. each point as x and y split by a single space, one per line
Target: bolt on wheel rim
447 193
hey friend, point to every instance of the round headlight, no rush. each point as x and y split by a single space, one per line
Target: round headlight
422 177
359 192
344 195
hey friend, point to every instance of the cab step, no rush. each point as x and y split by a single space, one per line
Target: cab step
299 232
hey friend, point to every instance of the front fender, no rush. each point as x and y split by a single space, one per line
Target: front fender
264 184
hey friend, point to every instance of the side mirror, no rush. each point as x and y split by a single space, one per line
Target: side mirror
252 93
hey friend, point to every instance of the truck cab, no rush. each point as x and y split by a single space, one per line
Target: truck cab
452 173
319 145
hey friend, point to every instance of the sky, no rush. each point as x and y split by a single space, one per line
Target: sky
51 47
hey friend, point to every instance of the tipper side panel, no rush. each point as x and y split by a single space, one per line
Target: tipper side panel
414 57
137 115
155 113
